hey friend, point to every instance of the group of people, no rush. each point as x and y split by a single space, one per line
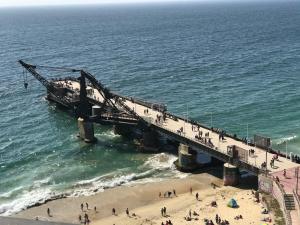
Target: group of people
168 222
196 128
251 152
296 158
205 140
163 211
86 204
160 119
85 220
168 194
238 217
219 221
222 135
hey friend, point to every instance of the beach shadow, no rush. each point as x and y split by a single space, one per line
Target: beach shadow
249 182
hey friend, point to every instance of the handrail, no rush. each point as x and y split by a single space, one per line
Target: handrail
245 164
287 214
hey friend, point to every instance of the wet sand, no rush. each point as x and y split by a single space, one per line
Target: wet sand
144 201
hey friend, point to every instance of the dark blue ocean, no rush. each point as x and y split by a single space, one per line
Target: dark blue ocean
236 63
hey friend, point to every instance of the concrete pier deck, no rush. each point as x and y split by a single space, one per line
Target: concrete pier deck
218 148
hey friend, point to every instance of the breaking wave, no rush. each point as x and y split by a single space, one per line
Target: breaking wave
286 139
156 168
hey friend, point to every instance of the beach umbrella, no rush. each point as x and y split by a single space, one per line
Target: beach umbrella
232 203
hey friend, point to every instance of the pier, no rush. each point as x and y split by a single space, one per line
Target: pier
187 132
93 103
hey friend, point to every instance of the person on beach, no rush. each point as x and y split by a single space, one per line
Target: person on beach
127 212
159 195
48 212
113 211
87 206
95 209
162 211
190 214
79 218
81 206
197 196
284 173
86 219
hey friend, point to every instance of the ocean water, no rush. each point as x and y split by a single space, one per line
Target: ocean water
226 64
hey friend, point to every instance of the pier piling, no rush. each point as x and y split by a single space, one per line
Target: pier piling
231 175
86 130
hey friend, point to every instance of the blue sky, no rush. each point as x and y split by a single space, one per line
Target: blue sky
67 2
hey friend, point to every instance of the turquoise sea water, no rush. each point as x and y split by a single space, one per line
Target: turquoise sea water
238 62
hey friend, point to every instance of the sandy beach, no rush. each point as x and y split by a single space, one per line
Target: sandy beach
143 200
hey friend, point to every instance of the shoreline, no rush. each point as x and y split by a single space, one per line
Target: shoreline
142 199
151 191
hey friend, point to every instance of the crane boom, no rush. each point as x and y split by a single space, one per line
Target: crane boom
108 96
31 69
114 101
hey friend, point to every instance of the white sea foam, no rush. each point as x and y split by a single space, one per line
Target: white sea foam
39 183
161 161
109 134
156 168
11 192
286 139
27 199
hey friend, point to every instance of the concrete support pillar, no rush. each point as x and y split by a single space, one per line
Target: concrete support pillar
86 130
187 160
96 110
231 175
149 141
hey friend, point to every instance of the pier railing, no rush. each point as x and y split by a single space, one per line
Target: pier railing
218 153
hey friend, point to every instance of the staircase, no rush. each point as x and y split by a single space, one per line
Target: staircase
289 201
